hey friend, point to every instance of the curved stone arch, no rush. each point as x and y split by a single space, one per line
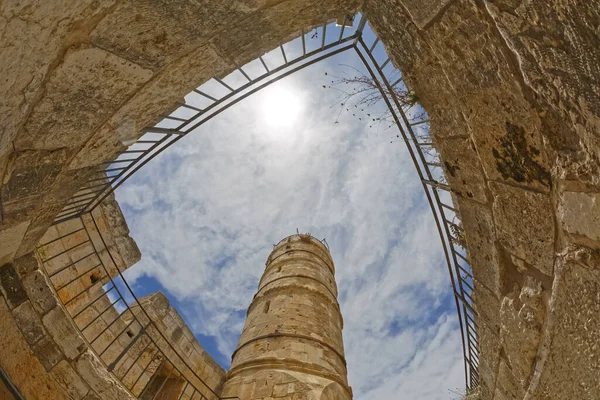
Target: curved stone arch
478 68
445 215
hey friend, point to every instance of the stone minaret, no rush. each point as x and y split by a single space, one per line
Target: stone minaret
291 345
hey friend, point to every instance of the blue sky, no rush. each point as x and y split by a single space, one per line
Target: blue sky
207 212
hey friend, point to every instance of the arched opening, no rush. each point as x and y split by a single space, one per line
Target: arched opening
196 113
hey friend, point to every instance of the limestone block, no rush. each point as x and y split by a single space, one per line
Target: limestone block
69 380
422 12
39 291
29 322
580 213
82 92
26 264
91 370
487 307
463 168
507 386
478 224
572 367
31 175
489 346
556 44
11 286
66 336
487 380
525 224
92 396
522 316
158 95
47 352
10 240
23 368
154 34
263 30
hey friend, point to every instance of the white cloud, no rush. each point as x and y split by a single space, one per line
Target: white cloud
207 212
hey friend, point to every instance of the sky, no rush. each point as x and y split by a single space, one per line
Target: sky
207 212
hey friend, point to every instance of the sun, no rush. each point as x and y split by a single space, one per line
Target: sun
281 106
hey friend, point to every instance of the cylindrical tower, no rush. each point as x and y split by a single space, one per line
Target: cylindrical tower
291 345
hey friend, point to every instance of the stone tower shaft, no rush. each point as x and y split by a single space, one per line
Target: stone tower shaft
292 343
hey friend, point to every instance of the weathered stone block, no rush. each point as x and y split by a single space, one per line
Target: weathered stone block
580 213
423 11
32 173
26 264
572 367
29 322
489 346
487 307
525 224
66 336
158 95
83 91
11 238
38 288
522 316
487 380
249 38
18 362
69 380
507 386
98 378
47 352
480 234
463 168
11 286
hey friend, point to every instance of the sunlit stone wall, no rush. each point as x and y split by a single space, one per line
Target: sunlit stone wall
511 88
512 91
291 345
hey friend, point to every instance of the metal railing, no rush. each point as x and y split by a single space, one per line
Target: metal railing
112 321
190 114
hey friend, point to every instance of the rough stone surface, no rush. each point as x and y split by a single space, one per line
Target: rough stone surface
26 264
522 316
572 367
24 370
487 306
518 80
85 89
525 225
580 213
90 369
47 352
11 286
11 239
38 289
423 11
66 336
478 224
64 374
29 322
463 171
508 387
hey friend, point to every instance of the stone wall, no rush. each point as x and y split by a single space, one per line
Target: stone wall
42 349
179 336
511 88
67 331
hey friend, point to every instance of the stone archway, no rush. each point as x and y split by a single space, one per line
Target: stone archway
510 87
